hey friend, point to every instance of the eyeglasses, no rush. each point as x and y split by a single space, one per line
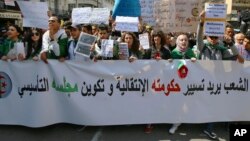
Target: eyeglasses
36 33
213 37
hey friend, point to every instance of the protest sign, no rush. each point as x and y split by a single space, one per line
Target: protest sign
177 15
147 11
123 49
107 48
34 14
215 18
127 24
88 15
81 15
99 16
130 8
144 40
215 11
84 44
213 28
164 13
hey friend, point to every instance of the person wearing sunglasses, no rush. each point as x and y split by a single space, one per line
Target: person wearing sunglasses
213 49
9 49
55 41
34 44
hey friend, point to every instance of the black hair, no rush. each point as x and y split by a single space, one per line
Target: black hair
30 43
160 34
58 17
103 27
18 29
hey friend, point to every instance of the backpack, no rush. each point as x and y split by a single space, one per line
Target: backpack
245 16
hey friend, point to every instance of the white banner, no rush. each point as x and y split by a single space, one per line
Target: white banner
32 17
36 94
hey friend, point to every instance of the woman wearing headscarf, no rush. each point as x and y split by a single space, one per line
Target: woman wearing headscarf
182 51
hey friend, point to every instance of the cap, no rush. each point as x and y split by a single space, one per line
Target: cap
73 25
103 27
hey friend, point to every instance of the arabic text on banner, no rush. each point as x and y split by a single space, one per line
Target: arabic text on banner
79 92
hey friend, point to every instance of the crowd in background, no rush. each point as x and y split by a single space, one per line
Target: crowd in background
60 40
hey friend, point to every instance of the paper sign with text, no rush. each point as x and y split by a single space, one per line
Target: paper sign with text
84 44
214 28
144 40
215 17
81 15
123 49
99 16
107 48
88 15
215 11
127 24
177 15
147 11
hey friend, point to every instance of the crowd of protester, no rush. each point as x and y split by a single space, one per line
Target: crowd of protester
59 42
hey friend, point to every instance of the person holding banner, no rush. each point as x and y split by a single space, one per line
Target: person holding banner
75 32
133 47
159 49
182 51
13 47
54 41
103 34
212 49
34 44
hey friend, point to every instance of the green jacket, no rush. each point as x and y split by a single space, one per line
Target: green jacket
60 44
7 46
176 54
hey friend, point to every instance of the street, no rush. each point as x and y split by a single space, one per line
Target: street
69 132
